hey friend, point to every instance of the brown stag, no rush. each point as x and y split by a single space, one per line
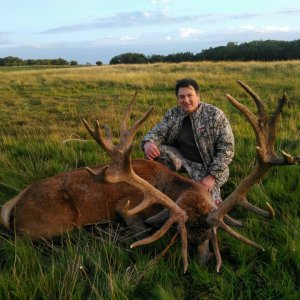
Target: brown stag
55 205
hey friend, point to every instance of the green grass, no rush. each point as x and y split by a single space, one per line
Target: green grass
40 112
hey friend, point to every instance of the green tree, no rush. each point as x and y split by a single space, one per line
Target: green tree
129 58
73 63
11 61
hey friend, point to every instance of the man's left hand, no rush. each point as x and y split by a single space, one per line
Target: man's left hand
208 182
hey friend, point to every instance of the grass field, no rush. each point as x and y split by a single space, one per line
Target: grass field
40 113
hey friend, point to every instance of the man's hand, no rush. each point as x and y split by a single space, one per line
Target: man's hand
151 150
208 182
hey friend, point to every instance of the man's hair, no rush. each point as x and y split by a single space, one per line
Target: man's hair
186 82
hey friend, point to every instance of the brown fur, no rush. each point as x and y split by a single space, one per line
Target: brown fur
57 204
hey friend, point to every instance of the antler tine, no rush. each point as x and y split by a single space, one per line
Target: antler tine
274 119
259 104
105 143
137 124
239 237
268 214
126 139
282 101
214 236
289 159
252 119
128 112
159 233
127 136
245 110
233 233
107 132
215 245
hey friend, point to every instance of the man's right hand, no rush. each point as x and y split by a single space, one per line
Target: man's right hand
151 150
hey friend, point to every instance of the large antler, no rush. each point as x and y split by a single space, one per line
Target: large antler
121 171
265 129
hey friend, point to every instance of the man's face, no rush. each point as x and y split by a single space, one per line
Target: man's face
188 99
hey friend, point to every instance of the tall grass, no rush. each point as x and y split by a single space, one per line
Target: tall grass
39 126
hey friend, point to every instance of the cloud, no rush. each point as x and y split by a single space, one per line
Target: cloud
146 18
290 11
127 39
2 33
3 37
160 1
4 42
248 27
120 20
265 29
245 16
189 32
274 29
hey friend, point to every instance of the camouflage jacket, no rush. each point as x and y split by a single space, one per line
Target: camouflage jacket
213 136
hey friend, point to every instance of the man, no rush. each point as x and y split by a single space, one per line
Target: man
193 137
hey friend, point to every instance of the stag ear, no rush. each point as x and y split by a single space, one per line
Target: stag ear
158 219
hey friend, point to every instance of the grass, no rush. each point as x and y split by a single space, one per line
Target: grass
40 112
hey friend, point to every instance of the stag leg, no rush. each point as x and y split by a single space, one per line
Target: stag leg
136 225
203 253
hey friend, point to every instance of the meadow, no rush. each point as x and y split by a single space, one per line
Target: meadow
41 135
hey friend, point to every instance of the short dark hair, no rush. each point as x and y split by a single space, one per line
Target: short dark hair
186 82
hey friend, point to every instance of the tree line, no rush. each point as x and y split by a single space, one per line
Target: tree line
11 61
269 50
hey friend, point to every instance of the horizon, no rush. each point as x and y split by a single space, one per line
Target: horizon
90 30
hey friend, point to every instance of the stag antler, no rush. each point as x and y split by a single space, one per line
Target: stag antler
264 128
121 171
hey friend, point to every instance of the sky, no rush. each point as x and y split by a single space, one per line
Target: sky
91 30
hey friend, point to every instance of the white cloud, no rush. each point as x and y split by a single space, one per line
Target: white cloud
146 14
141 18
271 29
127 38
264 29
189 32
159 1
291 11
248 27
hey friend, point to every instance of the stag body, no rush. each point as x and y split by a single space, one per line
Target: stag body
56 205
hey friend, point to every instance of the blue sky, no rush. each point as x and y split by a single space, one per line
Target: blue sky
91 30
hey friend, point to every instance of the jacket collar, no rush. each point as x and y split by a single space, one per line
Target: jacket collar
194 114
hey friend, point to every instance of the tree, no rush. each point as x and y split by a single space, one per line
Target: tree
154 58
73 63
99 63
129 58
11 61
59 61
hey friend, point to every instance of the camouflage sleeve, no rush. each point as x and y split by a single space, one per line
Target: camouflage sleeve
159 133
224 147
